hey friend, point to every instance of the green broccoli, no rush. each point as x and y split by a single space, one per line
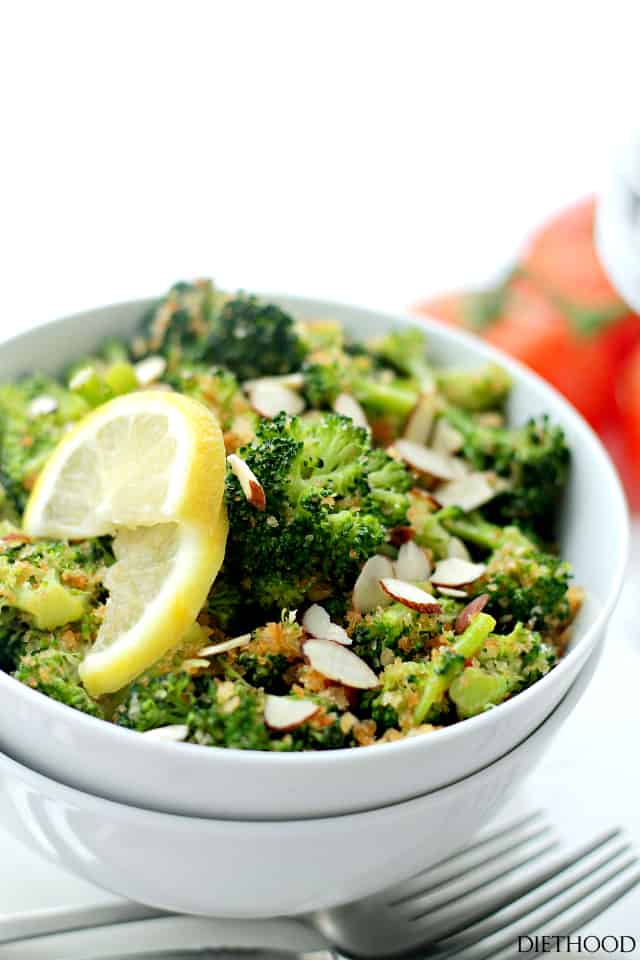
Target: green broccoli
325 513
226 603
397 631
533 458
273 649
54 672
219 390
503 667
524 583
425 520
179 324
34 414
46 585
157 702
386 397
254 339
476 390
405 350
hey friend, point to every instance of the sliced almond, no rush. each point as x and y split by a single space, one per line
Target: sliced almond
445 438
367 593
149 370
456 548
420 423
455 572
399 535
293 381
468 492
251 486
268 399
338 634
215 648
471 610
348 406
425 461
337 663
42 405
285 713
317 623
410 595
412 563
452 592
174 732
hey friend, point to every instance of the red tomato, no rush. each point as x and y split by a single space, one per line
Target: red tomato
629 401
528 326
561 258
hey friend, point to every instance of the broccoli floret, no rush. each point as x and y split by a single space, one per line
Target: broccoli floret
179 324
157 702
389 482
482 388
324 515
272 650
255 339
533 458
393 706
54 672
219 390
226 603
426 522
406 352
229 714
523 582
33 416
46 585
401 632
505 666
386 397
323 731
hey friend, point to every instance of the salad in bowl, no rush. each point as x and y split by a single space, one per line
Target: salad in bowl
239 529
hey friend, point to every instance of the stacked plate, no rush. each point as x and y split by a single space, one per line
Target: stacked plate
232 833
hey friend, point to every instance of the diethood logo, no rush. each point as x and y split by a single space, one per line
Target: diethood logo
582 946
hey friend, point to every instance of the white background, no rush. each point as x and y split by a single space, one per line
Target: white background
366 151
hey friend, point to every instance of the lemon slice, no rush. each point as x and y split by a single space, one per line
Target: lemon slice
148 468
157 586
141 459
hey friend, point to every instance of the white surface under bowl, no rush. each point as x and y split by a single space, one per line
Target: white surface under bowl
183 778
258 869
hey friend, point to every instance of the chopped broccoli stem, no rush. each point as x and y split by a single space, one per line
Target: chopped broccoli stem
449 663
476 390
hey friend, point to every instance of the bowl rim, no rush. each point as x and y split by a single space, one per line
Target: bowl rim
120 808
617 512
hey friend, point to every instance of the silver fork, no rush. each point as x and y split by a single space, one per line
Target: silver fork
474 905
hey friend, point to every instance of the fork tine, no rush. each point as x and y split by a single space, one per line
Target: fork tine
478 854
519 895
490 912
447 898
592 887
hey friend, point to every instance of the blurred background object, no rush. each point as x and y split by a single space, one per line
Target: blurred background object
557 311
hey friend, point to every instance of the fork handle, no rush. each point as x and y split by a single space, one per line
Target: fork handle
43 922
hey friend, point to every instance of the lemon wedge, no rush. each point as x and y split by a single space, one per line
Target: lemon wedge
147 468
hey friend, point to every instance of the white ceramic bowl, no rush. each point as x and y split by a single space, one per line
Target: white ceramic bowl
182 778
260 869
